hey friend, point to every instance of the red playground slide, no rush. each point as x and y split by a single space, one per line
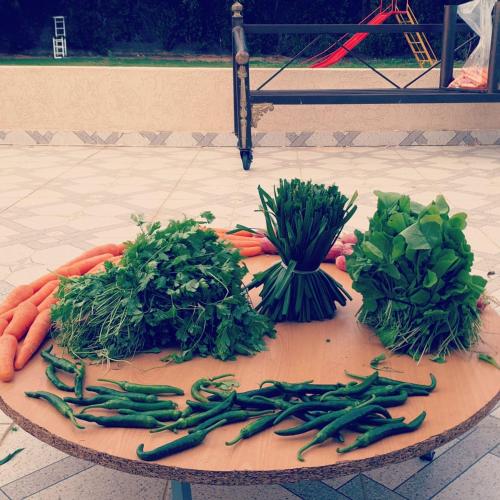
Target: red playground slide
355 40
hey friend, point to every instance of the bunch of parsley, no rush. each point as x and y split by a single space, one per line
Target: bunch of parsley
177 286
412 268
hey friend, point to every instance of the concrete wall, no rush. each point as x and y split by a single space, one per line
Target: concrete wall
199 99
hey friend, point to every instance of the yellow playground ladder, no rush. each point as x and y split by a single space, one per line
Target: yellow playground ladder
418 42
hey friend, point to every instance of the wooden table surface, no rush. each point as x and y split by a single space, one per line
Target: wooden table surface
467 390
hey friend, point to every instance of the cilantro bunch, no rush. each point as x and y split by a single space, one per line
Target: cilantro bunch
412 268
177 286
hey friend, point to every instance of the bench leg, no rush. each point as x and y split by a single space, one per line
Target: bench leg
181 491
428 457
244 116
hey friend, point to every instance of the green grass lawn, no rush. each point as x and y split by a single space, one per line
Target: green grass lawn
187 62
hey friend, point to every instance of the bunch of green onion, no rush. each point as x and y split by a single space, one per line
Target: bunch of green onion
303 221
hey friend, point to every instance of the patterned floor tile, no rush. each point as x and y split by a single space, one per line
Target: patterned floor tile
46 477
363 488
58 201
313 490
35 456
448 466
274 492
480 481
105 484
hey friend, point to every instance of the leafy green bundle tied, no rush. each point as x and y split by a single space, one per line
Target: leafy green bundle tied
413 267
177 286
303 221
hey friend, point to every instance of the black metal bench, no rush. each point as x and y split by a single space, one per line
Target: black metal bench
249 105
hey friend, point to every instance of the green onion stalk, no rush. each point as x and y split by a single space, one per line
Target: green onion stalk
303 221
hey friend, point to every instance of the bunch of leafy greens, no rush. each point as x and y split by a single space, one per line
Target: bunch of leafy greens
177 286
412 268
303 221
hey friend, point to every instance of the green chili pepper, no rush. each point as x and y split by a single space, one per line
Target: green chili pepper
230 417
95 400
205 383
253 428
378 433
322 420
377 421
313 405
10 456
303 387
59 404
264 391
279 404
353 389
390 401
50 371
121 403
186 412
390 381
253 402
133 396
79 379
198 418
390 390
133 421
339 423
161 415
184 443
145 389
200 406
60 363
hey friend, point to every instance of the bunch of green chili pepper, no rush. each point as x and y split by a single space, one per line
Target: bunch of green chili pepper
359 406
328 409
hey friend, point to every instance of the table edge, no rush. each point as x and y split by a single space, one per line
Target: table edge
246 477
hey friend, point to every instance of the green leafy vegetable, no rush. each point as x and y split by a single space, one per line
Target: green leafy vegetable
439 359
377 360
177 286
303 221
10 456
488 359
412 268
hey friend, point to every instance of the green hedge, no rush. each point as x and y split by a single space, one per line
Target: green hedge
192 25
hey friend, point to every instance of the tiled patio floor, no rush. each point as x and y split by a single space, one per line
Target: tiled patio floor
57 201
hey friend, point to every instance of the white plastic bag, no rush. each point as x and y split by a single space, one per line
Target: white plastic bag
477 14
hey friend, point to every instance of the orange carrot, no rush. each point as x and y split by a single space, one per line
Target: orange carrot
100 267
34 338
24 316
243 243
43 280
38 297
48 302
3 325
98 250
8 348
250 251
7 316
120 247
15 297
242 233
83 266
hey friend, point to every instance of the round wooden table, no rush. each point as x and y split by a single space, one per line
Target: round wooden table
467 390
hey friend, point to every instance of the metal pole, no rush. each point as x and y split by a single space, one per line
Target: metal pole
494 66
448 45
180 491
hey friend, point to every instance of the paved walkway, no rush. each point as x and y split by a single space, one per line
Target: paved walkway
57 201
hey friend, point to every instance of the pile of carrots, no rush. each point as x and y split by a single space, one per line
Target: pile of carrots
249 244
25 313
